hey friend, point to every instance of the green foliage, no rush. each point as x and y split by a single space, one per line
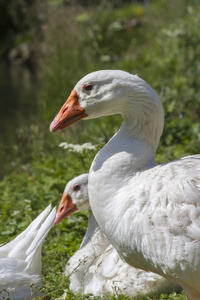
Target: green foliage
17 20
162 46
173 296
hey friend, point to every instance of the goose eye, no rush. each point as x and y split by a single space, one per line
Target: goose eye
76 187
87 87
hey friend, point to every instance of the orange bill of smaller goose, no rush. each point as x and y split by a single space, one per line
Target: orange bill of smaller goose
66 208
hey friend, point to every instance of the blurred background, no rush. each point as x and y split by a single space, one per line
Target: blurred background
45 48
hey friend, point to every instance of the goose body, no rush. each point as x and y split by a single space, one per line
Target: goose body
150 213
20 259
96 267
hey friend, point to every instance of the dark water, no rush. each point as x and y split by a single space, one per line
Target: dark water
18 105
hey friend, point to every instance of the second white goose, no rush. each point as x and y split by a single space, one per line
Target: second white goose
96 267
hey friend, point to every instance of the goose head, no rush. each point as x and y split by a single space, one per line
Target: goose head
109 92
74 198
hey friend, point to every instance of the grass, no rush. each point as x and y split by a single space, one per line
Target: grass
163 48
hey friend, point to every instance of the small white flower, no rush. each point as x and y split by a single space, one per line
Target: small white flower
173 33
10 289
78 148
28 207
27 200
15 213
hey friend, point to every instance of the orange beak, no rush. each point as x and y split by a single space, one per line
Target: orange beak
70 113
66 208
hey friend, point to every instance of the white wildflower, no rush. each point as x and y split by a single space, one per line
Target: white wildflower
15 213
78 148
10 289
173 33
27 200
28 207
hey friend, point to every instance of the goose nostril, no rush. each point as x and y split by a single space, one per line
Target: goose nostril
64 110
61 209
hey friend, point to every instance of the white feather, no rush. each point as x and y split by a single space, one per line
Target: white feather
20 259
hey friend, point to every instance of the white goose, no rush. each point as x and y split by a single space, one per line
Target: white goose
96 267
20 260
150 213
